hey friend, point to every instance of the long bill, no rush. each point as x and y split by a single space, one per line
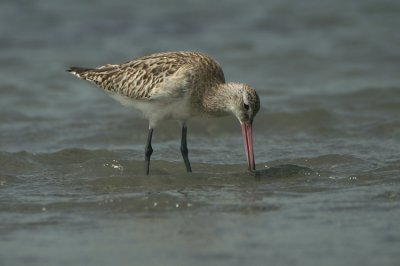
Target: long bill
247 133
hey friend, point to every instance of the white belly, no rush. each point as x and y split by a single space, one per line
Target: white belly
156 110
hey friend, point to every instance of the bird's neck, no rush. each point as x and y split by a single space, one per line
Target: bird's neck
218 100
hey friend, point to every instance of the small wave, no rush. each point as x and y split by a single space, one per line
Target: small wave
102 166
293 121
367 112
116 170
385 99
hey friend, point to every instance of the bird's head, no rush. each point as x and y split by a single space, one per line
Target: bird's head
245 104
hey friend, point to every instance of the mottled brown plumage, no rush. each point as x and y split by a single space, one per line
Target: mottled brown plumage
176 85
143 78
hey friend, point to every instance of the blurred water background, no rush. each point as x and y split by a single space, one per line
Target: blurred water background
327 138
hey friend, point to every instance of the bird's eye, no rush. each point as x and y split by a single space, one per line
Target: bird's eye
246 106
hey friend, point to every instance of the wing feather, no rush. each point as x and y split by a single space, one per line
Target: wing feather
153 77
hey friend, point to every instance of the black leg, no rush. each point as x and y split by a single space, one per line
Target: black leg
147 152
184 149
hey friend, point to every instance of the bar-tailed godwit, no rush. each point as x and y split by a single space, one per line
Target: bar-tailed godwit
177 85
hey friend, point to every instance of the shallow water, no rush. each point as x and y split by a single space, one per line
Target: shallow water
327 186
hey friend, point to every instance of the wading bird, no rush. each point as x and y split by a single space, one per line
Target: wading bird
177 85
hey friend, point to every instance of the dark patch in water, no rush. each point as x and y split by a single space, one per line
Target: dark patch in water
283 171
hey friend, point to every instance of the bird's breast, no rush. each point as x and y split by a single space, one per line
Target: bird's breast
156 110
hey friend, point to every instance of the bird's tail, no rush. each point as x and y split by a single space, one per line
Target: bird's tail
80 72
89 74
94 75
